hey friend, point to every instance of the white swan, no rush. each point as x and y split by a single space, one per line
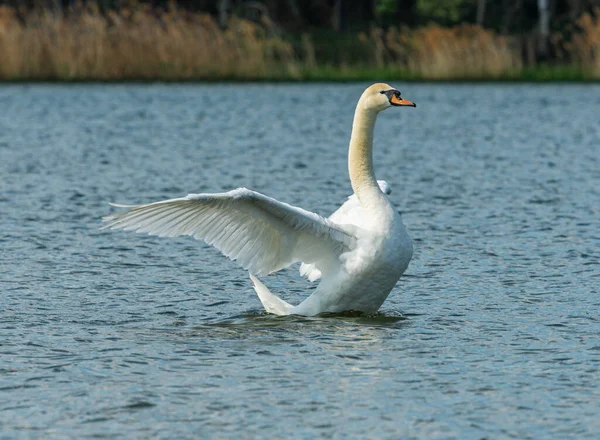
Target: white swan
359 253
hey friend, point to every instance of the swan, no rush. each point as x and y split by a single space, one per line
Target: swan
358 253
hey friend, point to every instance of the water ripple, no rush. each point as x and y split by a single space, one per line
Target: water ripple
492 332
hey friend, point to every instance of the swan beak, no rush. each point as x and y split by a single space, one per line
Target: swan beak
399 101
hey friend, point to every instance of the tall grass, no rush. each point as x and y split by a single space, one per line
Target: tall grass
586 43
141 43
135 43
461 52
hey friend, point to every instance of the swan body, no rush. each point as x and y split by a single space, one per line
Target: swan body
358 253
350 213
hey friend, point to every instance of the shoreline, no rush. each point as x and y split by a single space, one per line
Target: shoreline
328 74
332 80
151 45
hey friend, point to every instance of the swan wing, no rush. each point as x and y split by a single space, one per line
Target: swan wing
261 233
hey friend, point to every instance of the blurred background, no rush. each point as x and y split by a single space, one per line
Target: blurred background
299 39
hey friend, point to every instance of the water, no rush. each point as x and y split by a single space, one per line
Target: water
493 332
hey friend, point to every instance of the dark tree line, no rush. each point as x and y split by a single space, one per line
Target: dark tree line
503 16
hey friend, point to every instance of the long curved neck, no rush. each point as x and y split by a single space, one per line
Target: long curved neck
360 156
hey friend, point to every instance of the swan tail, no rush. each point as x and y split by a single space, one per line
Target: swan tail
270 302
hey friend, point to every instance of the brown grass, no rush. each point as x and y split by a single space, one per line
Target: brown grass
586 43
464 51
136 43
140 43
435 52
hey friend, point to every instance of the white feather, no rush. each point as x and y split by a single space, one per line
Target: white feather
350 213
263 234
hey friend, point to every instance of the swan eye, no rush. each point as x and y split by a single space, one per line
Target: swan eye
390 93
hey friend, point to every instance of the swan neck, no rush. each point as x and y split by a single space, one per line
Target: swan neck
360 156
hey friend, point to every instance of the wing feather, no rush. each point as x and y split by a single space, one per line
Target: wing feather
263 234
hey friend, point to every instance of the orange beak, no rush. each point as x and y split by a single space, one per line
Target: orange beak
400 101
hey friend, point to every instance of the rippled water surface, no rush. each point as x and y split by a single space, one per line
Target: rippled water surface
493 332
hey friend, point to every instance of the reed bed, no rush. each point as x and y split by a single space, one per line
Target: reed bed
461 52
135 44
141 43
586 44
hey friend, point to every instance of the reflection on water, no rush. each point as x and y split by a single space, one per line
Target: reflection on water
491 333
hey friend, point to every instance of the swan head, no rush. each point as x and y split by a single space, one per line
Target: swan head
380 96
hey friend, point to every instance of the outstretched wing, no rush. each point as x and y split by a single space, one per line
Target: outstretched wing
263 234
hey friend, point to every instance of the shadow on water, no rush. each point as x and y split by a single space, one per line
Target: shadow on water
258 319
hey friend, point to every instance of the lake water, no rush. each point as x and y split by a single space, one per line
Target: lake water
493 332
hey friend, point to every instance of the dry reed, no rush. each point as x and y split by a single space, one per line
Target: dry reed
463 52
586 43
135 43
141 43
434 52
